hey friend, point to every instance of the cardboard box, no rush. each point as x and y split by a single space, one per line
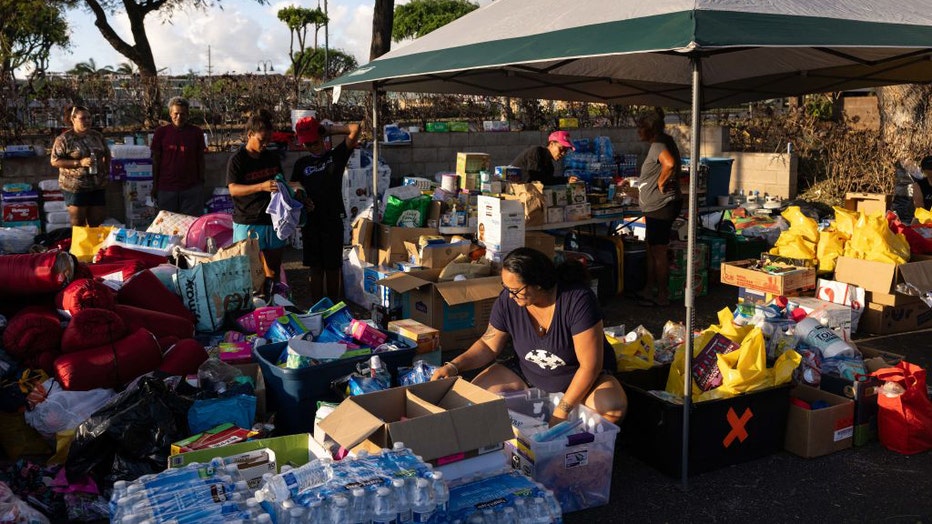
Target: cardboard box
753 297
384 245
386 297
880 279
883 320
501 223
472 163
289 449
215 437
435 419
543 242
863 392
740 273
838 317
816 432
19 211
677 284
426 337
870 203
555 214
577 212
458 309
435 256
844 294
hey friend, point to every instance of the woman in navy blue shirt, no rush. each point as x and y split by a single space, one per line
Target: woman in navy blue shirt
554 322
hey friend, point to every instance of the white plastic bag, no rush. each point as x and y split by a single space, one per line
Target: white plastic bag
14 509
63 410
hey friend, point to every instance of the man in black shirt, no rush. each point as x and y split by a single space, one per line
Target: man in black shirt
536 162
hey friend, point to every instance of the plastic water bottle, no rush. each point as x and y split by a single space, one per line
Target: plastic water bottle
817 336
508 516
521 509
402 501
92 169
339 509
422 504
359 506
384 511
556 512
315 512
440 491
292 482
538 512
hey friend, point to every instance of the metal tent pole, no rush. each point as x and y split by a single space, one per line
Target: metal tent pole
376 215
689 296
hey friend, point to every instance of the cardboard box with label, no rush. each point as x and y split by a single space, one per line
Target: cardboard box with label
295 450
458 309
879 279
844 294
816 432
883 320
869 203
436 256
438 419
837 317
743 273
426 337
471 163
501 223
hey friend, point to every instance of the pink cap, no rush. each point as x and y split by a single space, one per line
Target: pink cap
562 138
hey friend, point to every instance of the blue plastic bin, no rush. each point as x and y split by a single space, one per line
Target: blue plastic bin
293 393
719 177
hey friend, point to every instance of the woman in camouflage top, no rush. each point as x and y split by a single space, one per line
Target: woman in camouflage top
76 153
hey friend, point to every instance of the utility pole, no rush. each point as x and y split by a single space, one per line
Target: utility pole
326 44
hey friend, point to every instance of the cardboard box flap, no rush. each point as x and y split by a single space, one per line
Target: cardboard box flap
415 406
873 276
466 403
472 290
350 424
919 274
436 255
403 282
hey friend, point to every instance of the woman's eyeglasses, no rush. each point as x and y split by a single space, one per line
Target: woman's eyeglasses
514 292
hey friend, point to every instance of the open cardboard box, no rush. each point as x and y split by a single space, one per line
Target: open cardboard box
384 245
816 432
740 273
458 309
435 256
436 420
880 279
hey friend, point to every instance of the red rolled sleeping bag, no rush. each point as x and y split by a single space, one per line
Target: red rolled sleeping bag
183 357
160 324
145 290
112 254
85 293
111 365
127 268
33 273
32 331
92 327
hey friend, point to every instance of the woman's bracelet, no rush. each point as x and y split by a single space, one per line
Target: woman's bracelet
456 370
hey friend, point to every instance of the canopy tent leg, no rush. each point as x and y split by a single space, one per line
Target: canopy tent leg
689 297
376 215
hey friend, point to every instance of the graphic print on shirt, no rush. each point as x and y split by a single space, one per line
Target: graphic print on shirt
314 169
261 174
544 359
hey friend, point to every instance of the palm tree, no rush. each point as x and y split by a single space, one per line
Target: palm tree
126 68
84 68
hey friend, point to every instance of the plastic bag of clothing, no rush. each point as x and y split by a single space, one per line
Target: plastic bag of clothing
132 434
14 509
63 410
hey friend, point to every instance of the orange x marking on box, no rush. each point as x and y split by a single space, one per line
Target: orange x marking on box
737 426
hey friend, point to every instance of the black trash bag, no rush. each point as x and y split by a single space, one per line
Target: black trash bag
132 434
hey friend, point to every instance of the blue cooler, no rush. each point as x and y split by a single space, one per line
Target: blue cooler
293 393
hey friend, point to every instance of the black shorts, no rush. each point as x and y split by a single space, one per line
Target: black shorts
97 197
659 223
323 245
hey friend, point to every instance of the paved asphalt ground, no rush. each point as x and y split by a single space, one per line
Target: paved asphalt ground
864 484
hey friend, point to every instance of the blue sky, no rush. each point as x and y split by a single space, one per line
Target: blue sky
239 35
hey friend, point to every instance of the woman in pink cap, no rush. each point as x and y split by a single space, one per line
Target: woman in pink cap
536 162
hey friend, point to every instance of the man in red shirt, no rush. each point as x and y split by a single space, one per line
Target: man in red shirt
178 163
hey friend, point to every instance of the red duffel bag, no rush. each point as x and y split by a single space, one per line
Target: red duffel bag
159 323
113 254
33 273
91 328
145 290
110 366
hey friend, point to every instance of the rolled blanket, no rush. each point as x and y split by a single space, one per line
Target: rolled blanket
159 323
111 365
90 328
126 268
119 253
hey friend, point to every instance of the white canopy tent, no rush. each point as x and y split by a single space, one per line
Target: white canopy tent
672 53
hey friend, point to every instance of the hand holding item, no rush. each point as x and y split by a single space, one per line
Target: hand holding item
271 186
447 370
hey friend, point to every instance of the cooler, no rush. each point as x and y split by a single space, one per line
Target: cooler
293 393
577 467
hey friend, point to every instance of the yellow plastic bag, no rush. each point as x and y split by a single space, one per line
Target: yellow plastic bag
845 221
831 246
634 354
873 240
727 328
792 244
803 225
923 216
87 241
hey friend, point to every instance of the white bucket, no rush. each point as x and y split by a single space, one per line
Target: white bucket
724 200
448 182
298 114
